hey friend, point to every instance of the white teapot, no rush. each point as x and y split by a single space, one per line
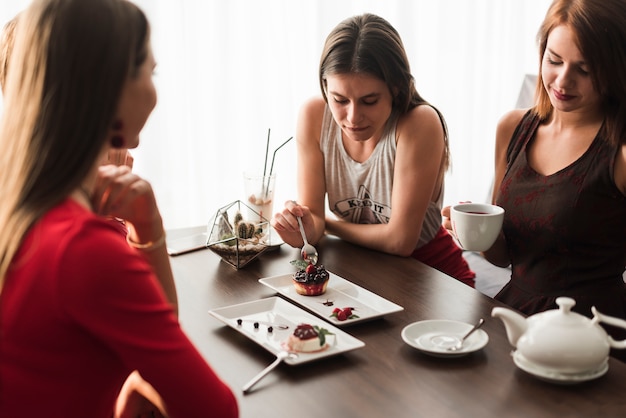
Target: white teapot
560 342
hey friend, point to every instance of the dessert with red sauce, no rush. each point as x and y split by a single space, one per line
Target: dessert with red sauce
311 281
308 338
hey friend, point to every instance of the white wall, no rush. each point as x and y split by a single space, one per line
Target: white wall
230 69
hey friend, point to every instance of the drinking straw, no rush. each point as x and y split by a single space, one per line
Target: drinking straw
274 155
266 189
267 147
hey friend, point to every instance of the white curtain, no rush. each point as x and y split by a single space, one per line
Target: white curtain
229 70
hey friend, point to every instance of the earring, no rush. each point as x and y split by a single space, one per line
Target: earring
117 141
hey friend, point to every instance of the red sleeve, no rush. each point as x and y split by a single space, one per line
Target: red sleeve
112 292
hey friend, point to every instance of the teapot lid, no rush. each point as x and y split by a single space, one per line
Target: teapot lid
565 304
564 315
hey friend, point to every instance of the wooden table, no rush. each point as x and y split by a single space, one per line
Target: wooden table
386 378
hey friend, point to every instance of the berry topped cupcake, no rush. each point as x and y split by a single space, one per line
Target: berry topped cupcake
311 281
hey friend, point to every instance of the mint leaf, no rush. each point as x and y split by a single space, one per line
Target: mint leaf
299 264
321 334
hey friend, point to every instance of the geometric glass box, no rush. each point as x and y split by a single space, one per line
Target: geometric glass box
239 234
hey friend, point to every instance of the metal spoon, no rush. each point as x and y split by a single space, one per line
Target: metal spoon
282 355
459 344
309 253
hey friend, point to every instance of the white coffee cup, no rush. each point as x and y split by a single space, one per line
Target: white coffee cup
476 225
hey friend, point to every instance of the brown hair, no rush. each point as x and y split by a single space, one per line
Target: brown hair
369 44
600 33
68 66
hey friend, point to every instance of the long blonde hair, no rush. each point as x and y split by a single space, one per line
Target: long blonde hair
6 45
70 61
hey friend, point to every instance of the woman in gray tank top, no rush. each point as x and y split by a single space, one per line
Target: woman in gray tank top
376 149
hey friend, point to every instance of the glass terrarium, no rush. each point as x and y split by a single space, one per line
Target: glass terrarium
238 234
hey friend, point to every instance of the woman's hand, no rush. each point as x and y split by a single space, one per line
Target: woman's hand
120 193
119 157
445 214
139 399
446 222
286 223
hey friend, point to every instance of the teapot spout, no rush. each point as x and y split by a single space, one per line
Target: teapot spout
514 323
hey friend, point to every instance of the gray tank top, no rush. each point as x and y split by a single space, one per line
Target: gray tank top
361 192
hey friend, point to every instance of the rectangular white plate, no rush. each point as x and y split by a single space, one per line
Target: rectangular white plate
275 311
342 293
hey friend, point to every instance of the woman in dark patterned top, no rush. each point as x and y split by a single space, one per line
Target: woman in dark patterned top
561 167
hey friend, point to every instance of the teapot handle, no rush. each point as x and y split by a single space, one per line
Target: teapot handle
610 320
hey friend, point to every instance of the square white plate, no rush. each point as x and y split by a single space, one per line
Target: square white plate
277 312
341 292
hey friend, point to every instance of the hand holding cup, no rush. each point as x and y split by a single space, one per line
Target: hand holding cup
476 225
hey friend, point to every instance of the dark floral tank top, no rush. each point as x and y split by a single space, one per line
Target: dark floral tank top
566 232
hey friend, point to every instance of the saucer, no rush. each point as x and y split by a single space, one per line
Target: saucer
553 376
433 337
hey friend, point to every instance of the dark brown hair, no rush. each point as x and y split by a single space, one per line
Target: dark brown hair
369 44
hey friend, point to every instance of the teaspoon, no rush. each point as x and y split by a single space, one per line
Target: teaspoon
459 344
282 355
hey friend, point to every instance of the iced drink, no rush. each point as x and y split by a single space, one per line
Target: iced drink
259 195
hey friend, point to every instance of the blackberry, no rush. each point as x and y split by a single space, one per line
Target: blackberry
320 276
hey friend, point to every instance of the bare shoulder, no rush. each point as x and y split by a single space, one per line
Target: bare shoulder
310 120
506 126
512 118
504 132
423 116
421 122
313 108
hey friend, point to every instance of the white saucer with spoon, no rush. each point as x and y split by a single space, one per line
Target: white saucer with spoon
435 337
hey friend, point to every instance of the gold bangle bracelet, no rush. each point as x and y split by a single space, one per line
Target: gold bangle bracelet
146 246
